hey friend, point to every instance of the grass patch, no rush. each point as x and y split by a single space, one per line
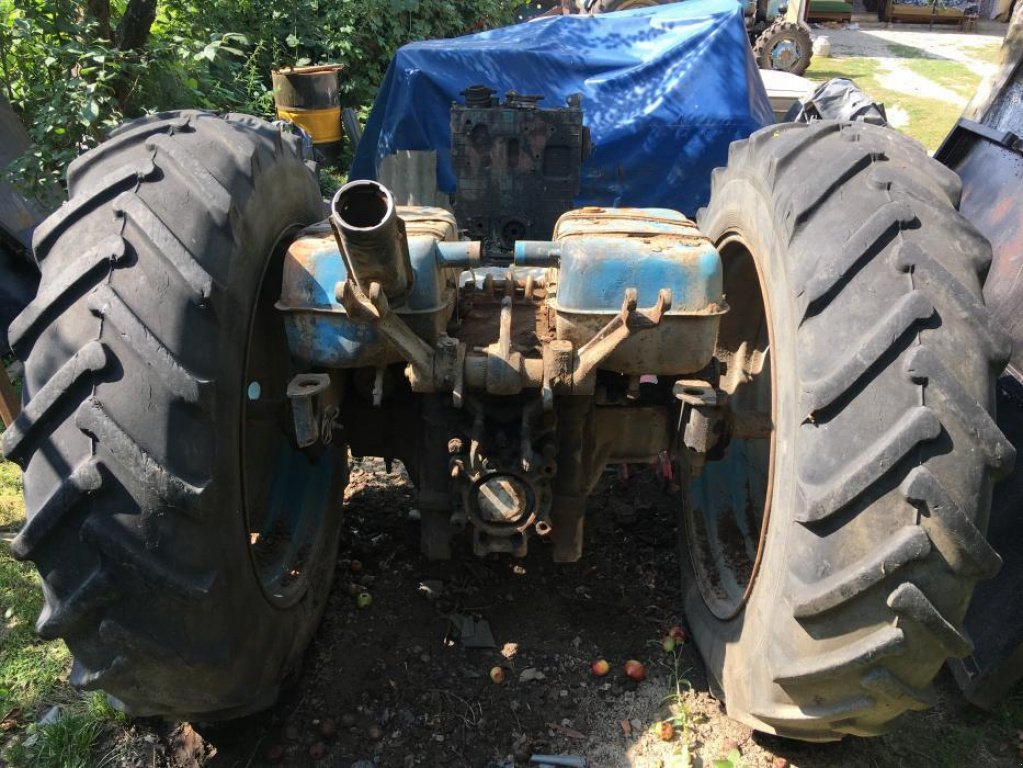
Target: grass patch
954 75
12 508
985 52
857 68
69 741
33 672
902 51
30 668
929 120
969 741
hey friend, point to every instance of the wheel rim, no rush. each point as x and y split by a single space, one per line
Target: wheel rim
287 491
784 55
727 508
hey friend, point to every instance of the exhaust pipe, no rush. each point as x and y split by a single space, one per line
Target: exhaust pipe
372 238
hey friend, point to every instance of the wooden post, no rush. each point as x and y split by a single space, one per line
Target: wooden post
10 404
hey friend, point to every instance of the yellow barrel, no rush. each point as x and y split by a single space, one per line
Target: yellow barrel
308 97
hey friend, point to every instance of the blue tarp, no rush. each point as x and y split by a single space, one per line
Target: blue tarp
665 90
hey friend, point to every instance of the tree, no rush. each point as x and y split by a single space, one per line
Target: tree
133 29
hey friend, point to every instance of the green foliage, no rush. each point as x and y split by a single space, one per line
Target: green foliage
732 760
30 668
70 741
70 85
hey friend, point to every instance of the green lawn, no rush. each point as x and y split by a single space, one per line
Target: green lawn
929 120
30 668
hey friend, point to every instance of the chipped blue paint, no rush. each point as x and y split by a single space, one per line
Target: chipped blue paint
319 331
604 252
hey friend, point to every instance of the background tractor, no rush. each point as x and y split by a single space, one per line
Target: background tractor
812 354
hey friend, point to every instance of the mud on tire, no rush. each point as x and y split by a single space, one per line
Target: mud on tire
884 360
134 433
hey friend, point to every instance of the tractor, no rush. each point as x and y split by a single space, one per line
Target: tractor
210 344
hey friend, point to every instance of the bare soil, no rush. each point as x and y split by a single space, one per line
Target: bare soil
392 684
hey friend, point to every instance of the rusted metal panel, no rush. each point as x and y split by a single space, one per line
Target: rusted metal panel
518 166
604 253
990 163
986 149
412 176
321 333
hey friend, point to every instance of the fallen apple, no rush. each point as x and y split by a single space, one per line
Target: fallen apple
635 670
364 600
664 730
600 667
497 674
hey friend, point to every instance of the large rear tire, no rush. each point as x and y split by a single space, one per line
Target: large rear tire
186 547
829 567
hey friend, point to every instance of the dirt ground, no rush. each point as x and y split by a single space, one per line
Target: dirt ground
392 685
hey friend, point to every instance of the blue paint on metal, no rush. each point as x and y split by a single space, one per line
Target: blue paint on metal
536 253
318 329
605 252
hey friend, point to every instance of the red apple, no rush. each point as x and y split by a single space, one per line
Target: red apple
678 634
497 675
664 730
600 668
635 670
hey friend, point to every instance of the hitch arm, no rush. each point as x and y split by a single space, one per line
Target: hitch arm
627 322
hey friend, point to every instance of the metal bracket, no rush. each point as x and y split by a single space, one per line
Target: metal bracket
699 420
628 322
430 369
313 408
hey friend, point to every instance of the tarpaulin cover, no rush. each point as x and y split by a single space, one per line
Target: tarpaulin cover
665 90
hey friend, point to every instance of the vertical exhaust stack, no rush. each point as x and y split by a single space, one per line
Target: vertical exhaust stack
372 238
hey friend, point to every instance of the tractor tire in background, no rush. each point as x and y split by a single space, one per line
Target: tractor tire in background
785 46
829 567
186 547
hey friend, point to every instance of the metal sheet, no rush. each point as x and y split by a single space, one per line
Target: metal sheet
999 217
606 252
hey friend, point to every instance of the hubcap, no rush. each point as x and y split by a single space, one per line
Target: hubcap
784 55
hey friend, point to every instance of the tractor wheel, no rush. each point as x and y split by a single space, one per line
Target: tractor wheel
785 46
829 566
186 547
